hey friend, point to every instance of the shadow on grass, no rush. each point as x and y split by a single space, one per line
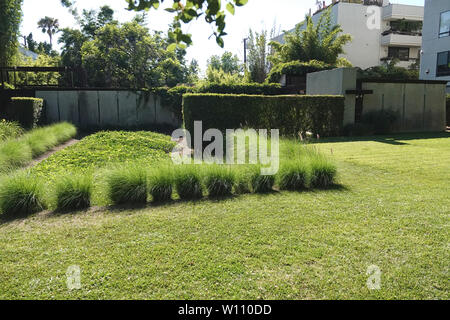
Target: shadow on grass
392 139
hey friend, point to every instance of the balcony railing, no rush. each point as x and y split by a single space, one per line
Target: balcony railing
406 33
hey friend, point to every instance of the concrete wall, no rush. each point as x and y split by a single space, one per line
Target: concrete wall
335 82
106 109
432 44
419 104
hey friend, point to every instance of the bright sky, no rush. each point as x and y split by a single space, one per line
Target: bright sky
257 14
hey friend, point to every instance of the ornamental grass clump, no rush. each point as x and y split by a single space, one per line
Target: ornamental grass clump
40 140
63 131
219 180
21 195
261 183
188 182
73 192
127 185
242 176
294 175
323 172
14 154
160 184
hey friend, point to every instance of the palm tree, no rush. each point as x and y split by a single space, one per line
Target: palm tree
49 26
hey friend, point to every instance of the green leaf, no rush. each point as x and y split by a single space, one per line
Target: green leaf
240 3
230 8
220 42
172 47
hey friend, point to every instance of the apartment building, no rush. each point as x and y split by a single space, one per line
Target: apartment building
381 31
435 60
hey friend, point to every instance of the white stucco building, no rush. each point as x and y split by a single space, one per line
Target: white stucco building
435 60
378 31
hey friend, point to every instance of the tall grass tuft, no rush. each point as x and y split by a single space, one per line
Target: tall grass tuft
294 175
14 154
242 177
40 140
73 192
21 195
188 182
63 131
127 185
219 180
9 130
261 183
323 172
160 181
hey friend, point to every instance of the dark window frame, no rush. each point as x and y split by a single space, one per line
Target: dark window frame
397 55
443 34
446 72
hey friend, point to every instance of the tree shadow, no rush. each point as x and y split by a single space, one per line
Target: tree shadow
392 139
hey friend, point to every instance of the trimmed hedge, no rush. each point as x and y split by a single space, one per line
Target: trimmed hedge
296 68
290 114
448 110
26 111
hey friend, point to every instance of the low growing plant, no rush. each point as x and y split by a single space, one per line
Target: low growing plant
40 140
323 172
9 130
74 192
21 195
14 154
261 183
160 183
294 175
127 185
188 182
219 180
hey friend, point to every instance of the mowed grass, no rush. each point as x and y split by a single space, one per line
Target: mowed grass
392 211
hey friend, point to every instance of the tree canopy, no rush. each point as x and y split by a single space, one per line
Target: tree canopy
10 19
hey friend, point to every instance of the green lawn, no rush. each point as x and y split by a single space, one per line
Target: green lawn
392 211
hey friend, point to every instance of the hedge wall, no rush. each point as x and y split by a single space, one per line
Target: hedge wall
290 114
27 111
448 110
296 68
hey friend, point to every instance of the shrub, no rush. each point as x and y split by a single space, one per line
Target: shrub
127 185
261 183
9 130
21 195
26 111
73 192
323 172
296 68
14 154
160 183
219 181
188 182
294 175
383 121
290 114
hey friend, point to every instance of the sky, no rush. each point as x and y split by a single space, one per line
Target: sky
257 15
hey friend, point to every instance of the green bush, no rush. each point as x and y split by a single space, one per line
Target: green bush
14 154
261 183
21 195
294 175
127 185
290 114
188 182
323 172
26 111
219 180
73 192
296 68
160 183
9 130
448 110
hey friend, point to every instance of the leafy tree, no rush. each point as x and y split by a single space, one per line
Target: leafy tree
31 44
92 20
50 26
323 42
190 10
10 19
228 62
258 53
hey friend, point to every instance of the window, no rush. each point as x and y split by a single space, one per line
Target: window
399 53
444 29
443 64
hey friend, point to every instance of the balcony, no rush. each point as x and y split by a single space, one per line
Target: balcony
400 11
401 39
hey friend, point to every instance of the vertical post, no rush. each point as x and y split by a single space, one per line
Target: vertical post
15 80
245 51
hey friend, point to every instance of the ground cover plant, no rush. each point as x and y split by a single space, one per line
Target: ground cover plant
390 212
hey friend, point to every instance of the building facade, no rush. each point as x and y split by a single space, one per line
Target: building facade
381 31
435 60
